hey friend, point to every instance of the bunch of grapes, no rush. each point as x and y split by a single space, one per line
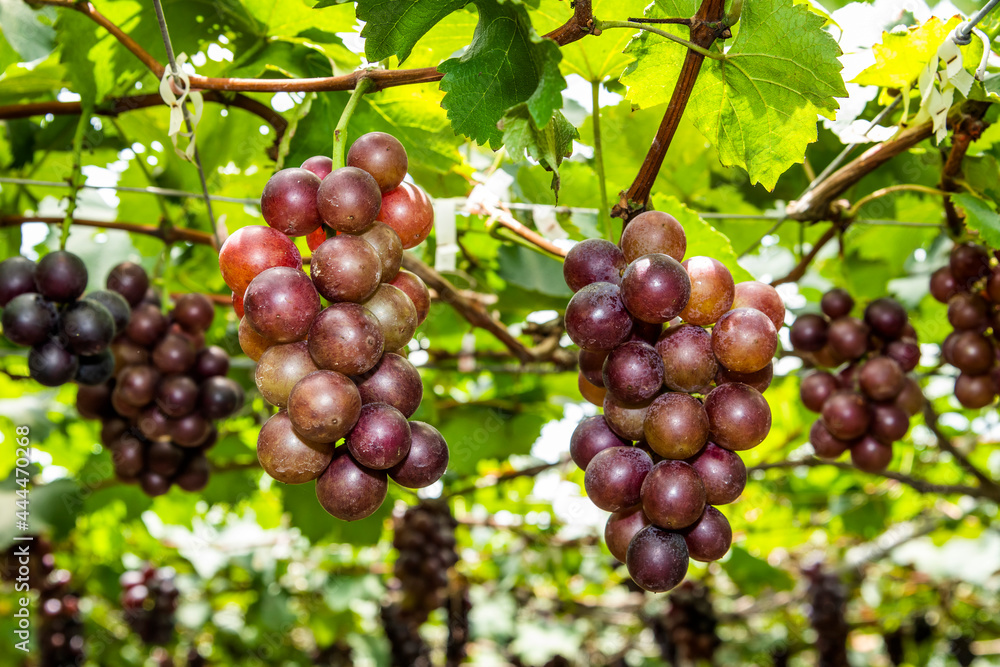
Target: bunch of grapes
60 636
867 405
679 401
459 606
168 389
340 371
149 599
407 647
686 633
69 334
971 288
827 609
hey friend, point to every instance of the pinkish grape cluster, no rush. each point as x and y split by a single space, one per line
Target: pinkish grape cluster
149 600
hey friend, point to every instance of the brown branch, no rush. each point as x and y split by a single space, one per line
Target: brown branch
800 268
467 308
705 30
576 28
529 235
487 481
988 485
966 131
218 299
172 235
919 485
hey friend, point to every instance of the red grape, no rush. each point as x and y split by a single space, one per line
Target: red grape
889 422
655 288
116 305
593 435
177 395
689 364
211 361
413 287
809 332
910 399
870 455
676 426
17 276
346 337
744 340
324 406
382 156
387 246
279 368
288 202
943 285
968 263
968 311
673 495
346 268
50 364
614 477
625 420
396 315
426 461
722 472
886 317
590 392
286 456
816 388
657 559
710 537
29 319
130 280
825 444
846 415
739 416
146 325
762 297
348 200
712 290
61 276
837 303
881 378
348 490
321 165
281 304
409 212
194 312
596 318
759 380
653 231
848 337
906 353
381 437
972 353
593 261
251 250
621 527
394 381
251 342
975 391
633 372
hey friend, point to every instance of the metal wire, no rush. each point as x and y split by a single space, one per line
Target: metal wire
187 121
963 33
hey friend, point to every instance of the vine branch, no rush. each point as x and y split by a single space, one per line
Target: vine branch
967 130
76 178
800 269
174 234
990 487
487 481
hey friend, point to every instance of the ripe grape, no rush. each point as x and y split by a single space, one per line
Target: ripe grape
633 372
905 352
722 472
94 402
279 368
321 165
613 479
413 287
871 455
673 495
146 325
886 317
974 391
137 384
848 338
346 268
211 361
739 417
237 301
396 315
676 426
593 435
409 212
220 397
889 422
712 290
281 304
881 378
943 285
29 319
710 537
51 364
61 276
348 490
17 276
173 354
653 232
689 364
387 246
910 399
394 381
645 332
190 431
153 424
194 312
824 443
288 457
251 342
593 261
195 475
846 415
177 395
621 527
657 559
972 353
809 333
426 461
96 369
762 297
346 337
816 388
744 340
590 392
288 202
968 263
130 280
837 303
381 437
655 288
596 318
163 458
116 305
382 156
349 200
250 250
591 364
759 380
968 311
324 406
624 419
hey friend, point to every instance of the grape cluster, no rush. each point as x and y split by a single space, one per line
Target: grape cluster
407 647
168 389
660 458
149 599
340 371
69 334
827 609
60 636
971 288
459 606
916 632
867 405
686 633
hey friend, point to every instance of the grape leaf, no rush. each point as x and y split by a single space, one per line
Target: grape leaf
548 145
28 31
289 18
507 63
392 27
980 216
450 36
901 56
759 104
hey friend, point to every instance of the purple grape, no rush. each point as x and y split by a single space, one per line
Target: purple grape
614 477
633 372
710 537
722 472
837 303
657 559
426 461
655 288
886 317
17 277
809 332
593 261
348 490
596 318
824 444
592 436
381 437
739 416
846 415
29 319
621 527
816 388
676 426
689 364
870 455
673 496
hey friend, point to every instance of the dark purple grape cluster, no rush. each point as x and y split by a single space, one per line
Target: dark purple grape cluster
45 309
679 400
971 288
149 600
686 632
168 389
338 373
407 648
866 405
60 635
827 614
459 606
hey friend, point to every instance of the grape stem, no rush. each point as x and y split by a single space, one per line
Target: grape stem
883 192
76 178
965 132
604 25
365 84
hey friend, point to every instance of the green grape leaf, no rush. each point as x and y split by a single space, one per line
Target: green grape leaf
392 27
548 145
752 574
702 238
901 56
758 106
980 216
506 64
76 29
449 36
532 271
28 31
289 18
